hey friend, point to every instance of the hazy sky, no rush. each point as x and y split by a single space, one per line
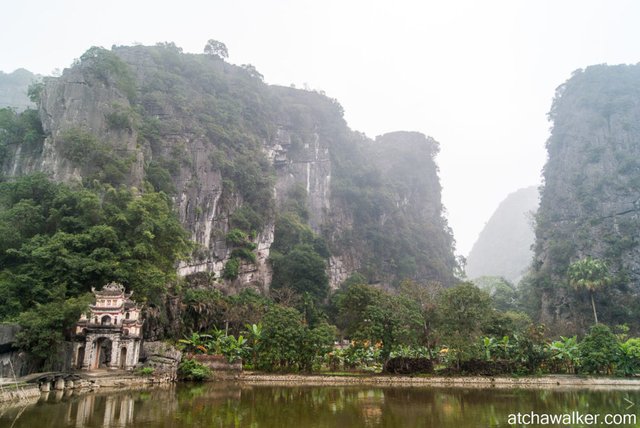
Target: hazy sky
478 76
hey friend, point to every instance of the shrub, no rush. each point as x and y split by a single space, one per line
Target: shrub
629 358
244 254
231 269
236 237
406 365
77 145
193 370
599 350
145 371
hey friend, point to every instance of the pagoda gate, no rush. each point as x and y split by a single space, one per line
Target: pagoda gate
110 335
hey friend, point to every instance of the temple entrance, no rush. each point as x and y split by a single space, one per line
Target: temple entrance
123 358
103 353
110 334
80 358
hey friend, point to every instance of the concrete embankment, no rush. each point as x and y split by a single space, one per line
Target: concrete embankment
32 387
36 384
19 392
542 382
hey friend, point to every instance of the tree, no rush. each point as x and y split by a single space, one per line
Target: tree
252 71
503 294
302 270
368 314
214 47
591 274
599 350
57 241
463 312
425 296
43 326
286 342
34 92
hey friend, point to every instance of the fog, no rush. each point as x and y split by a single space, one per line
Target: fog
479 77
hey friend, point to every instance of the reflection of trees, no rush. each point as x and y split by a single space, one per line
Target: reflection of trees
217 404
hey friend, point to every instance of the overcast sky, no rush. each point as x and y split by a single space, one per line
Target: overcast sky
478 76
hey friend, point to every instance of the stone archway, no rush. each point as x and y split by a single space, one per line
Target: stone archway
80 357
123 357
103 353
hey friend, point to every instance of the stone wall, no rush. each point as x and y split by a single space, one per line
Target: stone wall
221 368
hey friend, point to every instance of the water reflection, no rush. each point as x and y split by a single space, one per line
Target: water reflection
222 405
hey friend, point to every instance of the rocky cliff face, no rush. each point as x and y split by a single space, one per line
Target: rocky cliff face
589 202
229 149
504 245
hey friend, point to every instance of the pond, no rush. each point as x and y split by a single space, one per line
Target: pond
233 405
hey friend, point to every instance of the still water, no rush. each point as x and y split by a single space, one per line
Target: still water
232 405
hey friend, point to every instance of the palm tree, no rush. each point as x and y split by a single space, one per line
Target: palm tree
591 274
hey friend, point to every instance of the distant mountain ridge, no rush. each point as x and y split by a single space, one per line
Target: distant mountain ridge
504 245
13 89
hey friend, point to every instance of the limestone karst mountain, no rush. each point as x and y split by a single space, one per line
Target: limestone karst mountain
503 247
240 157
589 202
13 89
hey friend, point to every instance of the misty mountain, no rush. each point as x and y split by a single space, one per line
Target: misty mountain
589 201
13 89
256 172
504 245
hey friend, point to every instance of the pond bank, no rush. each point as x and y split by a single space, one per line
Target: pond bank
541 382
33 386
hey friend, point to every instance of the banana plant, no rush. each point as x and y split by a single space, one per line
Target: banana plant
195 344
565 351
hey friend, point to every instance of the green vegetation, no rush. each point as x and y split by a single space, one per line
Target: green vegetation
214 47
391 186
298 255
110 69
588 205
464 313
217 342
145 371
465 336
23 129
43 325
231 269
57 242
34 92
243 249
189 369
203 96
287 343
83 149
202 124
590 274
